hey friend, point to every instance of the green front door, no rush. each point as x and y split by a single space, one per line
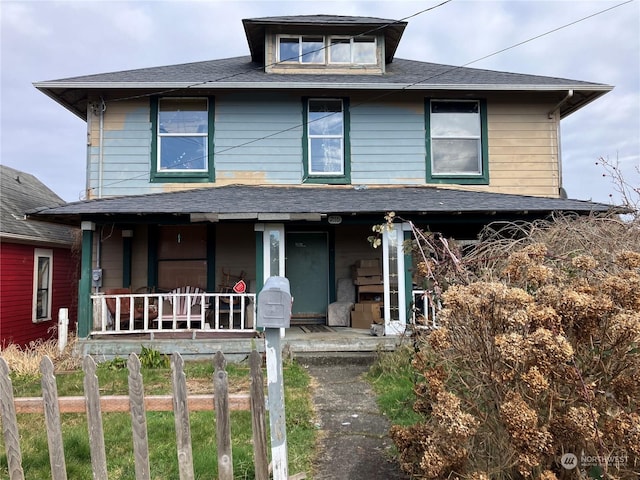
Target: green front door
307 268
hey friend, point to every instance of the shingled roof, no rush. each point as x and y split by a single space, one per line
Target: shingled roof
21 192
241 73
247 202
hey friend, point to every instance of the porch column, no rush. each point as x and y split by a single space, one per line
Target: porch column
408 269
85 308
259 229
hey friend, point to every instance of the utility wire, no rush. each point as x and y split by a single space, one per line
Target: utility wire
421 81
262 68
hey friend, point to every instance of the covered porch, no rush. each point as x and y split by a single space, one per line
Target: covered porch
313 235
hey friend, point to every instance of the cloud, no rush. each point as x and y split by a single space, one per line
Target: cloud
50 40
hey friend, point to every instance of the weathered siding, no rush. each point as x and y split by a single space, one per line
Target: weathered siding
258 140
109 256
387 143
122 166
523 149
16 298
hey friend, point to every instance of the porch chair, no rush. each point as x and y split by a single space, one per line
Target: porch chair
183 302
125 307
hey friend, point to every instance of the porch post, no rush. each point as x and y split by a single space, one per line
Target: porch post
85 309
259 229
408 267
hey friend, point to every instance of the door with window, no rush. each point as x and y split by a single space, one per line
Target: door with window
307 268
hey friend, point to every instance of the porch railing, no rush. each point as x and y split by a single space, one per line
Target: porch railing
173 312
424 308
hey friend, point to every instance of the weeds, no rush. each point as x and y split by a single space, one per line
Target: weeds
26 361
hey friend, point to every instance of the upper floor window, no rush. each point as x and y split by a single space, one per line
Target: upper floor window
183 139
326 144
301 49
42 284
457 141
357 51
308 49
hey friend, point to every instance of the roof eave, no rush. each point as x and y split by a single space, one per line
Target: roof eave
56 89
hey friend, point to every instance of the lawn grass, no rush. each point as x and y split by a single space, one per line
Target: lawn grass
392 378
301 434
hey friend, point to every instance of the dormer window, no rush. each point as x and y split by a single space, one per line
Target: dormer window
312 44
320 50
355 51
301 49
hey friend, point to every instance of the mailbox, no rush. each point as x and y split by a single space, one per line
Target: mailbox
274 304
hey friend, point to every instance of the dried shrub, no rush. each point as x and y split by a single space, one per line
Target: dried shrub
26 361
538 355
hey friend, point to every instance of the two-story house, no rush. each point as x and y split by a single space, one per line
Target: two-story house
218 174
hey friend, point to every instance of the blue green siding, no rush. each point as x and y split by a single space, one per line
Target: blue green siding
258 140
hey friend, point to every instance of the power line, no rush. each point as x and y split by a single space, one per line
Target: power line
384 95
262 68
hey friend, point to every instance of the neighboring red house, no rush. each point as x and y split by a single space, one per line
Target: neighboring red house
38 268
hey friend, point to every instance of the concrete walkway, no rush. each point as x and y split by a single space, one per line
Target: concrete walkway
353 433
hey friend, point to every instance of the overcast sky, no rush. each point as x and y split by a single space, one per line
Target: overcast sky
50 40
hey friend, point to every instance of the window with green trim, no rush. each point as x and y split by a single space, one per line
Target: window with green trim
182 144
457 142
326 141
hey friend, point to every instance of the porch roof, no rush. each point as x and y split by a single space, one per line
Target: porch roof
245 202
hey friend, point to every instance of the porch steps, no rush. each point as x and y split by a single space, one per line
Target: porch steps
341 344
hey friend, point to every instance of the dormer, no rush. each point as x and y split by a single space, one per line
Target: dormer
317 44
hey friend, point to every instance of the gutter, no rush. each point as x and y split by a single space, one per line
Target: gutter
553 111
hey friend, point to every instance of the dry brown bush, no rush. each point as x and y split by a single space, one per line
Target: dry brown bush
26 361
537 356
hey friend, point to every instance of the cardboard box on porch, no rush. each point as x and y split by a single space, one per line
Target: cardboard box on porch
373 280
365 271
368 263
366 313
360 320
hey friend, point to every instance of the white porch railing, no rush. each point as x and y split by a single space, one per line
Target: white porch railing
425 307
173 312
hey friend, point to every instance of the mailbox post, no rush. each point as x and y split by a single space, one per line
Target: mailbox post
274 313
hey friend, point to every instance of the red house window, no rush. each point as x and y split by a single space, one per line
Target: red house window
42 282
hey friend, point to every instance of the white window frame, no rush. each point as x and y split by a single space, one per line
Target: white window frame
204 134
477 138
273 267
39 253
393 264
352 40
300 53
310 137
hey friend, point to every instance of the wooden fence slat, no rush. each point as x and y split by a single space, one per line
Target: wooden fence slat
258 417
223 420
52 420
181 418
94 420
138 419
121 403
92 404
10 424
